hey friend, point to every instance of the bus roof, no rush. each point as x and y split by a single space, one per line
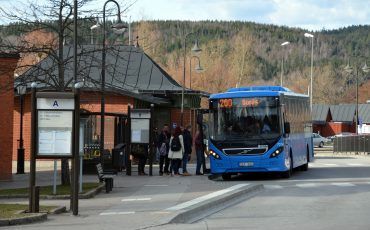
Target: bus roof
256 91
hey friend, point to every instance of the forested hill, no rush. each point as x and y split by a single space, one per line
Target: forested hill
244 53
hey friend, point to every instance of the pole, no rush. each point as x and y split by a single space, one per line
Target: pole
76 119
282 70
76 155
20 155
81 165
190 74
129 31
311 96
151 144
128 141
102 104
183 85
357 102
55 177
91 35
33 150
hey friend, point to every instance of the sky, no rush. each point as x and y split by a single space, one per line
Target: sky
312 15
306 14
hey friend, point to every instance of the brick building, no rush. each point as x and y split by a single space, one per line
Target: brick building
8 63
329 120
132 78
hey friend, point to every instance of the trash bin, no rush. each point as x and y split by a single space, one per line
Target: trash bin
119 156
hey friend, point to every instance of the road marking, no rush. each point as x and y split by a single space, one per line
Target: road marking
330 165
307 185
136 199
204 198
355 164
115 213
160 213
343 184
156 185
272 186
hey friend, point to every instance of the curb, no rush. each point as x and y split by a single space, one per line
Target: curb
58 210
90 194
30 219
24 220
206 208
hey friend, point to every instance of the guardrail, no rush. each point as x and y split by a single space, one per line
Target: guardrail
349 144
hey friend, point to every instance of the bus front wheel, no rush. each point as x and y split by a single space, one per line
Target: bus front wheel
287 174
226 176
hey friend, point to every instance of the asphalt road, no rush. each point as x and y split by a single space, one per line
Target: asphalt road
333 194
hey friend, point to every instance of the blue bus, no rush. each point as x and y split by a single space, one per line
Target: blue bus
259 129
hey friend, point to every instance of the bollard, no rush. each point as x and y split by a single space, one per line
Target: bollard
20 161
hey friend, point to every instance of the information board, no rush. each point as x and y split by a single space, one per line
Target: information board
140 131
140 125
55 133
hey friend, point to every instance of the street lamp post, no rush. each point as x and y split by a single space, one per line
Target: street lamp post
282 64
307 35
120 27
196 50
349 69
20 152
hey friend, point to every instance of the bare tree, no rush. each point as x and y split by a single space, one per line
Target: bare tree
53 19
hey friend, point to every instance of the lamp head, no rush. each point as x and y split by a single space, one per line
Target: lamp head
119 27
199 68
196 48
348 68
365 68
307 35
96 26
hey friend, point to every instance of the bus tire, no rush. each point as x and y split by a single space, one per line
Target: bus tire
287 174
305 166
226 176
321 144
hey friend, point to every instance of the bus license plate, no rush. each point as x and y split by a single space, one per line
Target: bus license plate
246 164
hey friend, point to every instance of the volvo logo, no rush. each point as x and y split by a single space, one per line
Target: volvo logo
245 151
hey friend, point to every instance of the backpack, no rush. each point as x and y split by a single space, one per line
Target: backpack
175 144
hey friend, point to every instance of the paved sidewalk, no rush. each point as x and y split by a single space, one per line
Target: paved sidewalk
135 202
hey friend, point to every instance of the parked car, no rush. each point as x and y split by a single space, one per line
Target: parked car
319 140
331 138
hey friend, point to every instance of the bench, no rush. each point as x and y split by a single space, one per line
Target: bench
106 177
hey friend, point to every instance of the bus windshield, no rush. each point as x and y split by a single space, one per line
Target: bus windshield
244 119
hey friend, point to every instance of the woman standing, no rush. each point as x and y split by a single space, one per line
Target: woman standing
176 150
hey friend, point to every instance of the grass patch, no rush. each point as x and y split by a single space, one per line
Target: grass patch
48 190
8 211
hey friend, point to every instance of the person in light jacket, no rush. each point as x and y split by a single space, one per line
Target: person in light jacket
176 154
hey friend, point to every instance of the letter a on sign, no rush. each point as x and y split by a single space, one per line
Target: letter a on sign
55 104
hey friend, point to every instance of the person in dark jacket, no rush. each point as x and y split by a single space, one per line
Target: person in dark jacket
188 145
198 142
163 144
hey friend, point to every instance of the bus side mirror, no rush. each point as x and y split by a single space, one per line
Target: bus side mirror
287 127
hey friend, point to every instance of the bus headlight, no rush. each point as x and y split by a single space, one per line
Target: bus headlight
277 152
214 155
